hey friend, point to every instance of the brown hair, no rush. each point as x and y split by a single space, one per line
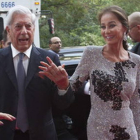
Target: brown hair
120 14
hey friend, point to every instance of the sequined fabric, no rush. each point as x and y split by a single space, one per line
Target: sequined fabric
115 104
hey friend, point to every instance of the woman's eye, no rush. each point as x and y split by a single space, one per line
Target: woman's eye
112 25
109 26
102 27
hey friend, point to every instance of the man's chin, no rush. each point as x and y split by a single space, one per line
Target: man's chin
23 48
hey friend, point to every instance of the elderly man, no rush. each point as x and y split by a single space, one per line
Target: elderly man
23 94
134 30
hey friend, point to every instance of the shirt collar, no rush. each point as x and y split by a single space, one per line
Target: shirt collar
15 52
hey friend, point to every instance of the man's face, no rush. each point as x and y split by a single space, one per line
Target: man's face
134 29
21 32
56 44
134 33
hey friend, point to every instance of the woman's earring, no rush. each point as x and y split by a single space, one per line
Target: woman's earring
125 36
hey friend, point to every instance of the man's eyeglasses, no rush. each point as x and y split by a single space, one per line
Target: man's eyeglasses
132 28
57 42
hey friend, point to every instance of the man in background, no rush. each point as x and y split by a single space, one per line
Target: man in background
55 44
63 123
6 41
134 31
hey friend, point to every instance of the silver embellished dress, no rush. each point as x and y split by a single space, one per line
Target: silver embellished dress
115 90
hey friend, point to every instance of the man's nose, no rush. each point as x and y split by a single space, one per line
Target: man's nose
23 30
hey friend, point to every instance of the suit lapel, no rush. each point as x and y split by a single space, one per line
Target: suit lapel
34 62
9 66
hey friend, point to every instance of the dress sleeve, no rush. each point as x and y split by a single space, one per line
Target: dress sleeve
81 73
135 103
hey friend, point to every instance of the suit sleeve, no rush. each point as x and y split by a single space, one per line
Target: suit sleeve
64 101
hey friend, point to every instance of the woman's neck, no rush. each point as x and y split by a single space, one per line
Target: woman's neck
115 54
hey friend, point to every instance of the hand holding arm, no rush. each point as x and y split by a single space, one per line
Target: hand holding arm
5 116
57 74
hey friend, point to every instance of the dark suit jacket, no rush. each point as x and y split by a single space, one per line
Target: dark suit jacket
136 49
40 94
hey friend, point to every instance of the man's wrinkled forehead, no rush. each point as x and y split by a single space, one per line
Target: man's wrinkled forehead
16 20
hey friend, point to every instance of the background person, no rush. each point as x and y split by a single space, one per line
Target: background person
114 81
30 101
134 31
55 44
5 39
63 123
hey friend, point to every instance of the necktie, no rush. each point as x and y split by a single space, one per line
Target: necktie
22 121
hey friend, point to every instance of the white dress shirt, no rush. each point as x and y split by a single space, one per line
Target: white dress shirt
15 55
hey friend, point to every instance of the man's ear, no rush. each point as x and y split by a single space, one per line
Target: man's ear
50 46
7 29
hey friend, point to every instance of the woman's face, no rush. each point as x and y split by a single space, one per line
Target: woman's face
111 29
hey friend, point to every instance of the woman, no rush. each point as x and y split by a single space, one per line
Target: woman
114 81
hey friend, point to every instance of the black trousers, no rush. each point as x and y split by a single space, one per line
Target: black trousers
19 135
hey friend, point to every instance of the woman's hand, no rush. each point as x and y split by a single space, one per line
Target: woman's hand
57 74
5 116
